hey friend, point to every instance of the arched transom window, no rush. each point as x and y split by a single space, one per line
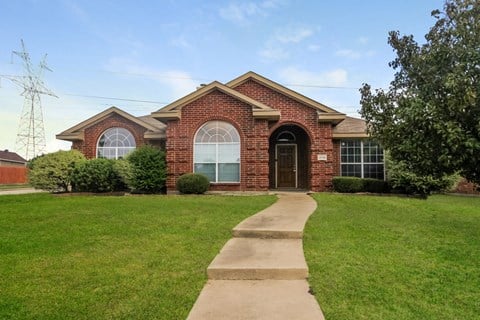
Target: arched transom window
115 143
217 152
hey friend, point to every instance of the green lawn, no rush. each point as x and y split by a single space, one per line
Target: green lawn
395 258
133 257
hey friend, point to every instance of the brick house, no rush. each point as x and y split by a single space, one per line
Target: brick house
248 134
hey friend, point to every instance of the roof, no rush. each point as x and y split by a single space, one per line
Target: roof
351 128
8 156
155 129
277 87
259 110
173 110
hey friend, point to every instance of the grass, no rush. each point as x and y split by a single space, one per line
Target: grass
136 257
395 258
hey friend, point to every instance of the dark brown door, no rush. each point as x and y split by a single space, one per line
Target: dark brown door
286 166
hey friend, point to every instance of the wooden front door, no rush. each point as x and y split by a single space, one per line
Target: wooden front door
286 166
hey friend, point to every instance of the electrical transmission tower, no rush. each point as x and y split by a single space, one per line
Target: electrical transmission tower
31 133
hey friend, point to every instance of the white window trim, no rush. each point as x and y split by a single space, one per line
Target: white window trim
97 147
362 163
217 163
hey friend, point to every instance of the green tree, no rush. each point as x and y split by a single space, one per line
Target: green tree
429 118
53 171
147 170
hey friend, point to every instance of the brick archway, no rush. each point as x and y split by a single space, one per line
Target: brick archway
289 158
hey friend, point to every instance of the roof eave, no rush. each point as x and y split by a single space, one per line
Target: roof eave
77 136
350 135
334 118
154 135
168 115
272 114
13 161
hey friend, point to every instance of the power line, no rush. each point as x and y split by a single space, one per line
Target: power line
114 98
161 76
320 86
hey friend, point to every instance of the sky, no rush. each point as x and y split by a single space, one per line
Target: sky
141 55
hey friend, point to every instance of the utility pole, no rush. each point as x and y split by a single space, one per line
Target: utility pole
30 140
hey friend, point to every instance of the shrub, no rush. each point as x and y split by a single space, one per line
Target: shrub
123 168
404 180
148 170
193 183
96 175
375 185
347 184
52 171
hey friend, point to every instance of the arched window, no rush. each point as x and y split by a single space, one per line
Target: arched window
217 152
286 136
115 143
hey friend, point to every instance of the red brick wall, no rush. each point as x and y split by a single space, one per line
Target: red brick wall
294 112
254 136
11 175
89 146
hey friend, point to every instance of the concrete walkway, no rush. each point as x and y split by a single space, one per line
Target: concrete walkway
20 191
261 273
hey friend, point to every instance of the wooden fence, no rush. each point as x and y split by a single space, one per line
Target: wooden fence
11 175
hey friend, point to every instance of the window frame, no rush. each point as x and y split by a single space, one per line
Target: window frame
217 145
362 161
115 148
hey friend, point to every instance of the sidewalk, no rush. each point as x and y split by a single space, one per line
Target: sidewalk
261 273
20 191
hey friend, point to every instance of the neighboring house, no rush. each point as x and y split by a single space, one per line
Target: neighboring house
12 168
248 134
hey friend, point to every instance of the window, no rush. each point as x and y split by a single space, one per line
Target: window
361 158
115 143
217 152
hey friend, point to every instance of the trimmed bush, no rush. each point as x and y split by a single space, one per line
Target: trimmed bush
123 168
195 183
148 170
53 171
375 185
96 175
347 184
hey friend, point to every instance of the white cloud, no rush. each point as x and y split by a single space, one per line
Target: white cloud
179 82
293 34
180 42
278 46
314 47
241 13
362 40
354 55
334 78
273 54
347 53
76 10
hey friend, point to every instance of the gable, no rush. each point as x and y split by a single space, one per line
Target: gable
259 108
76 133
322 109
173 111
